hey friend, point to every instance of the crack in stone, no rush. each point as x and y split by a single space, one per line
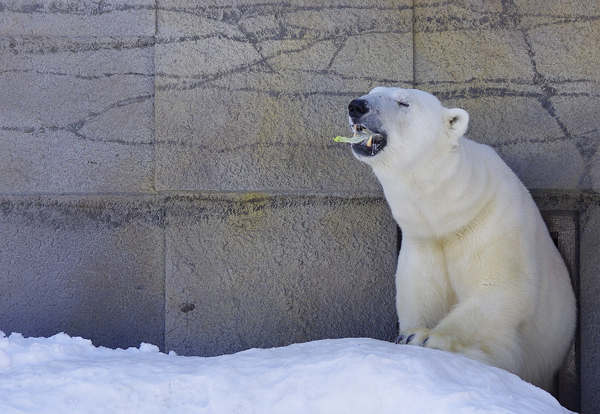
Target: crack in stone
82 77
210 82
263 62
335 54
72 128
558 20
307 94
78 9
195 38
42 45
206 79
75 127
483 92
249 38
198 146
234 14
486 20
512 81
254 42
510 10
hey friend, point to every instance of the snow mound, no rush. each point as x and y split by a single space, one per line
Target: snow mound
62 374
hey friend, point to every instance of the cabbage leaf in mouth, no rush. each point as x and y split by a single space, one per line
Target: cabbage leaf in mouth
361 134
355 139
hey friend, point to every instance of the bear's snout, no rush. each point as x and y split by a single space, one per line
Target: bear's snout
357 108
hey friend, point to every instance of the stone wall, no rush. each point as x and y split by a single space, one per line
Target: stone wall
167 172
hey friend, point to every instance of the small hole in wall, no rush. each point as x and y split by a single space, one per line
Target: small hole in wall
187 307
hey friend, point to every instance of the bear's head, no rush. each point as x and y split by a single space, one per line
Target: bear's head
400 125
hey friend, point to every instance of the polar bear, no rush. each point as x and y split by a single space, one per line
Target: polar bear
477 273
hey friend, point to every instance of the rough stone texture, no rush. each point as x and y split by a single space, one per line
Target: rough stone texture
525 72
220 116
77 18
91 268
249 96
305 268
77 114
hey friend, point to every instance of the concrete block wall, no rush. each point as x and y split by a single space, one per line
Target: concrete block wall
167 172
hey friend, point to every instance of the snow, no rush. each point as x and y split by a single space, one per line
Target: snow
64 374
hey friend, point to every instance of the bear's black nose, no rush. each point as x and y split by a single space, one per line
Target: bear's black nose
357 108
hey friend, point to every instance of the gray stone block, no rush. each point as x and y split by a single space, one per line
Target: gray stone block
77 114
90 267
250 97
260 271
504 63
77 18
567 61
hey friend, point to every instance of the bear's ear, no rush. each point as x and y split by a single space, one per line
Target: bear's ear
456 121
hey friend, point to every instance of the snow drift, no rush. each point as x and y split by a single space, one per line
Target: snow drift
62 374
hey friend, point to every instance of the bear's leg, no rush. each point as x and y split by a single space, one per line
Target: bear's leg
423 292
478 328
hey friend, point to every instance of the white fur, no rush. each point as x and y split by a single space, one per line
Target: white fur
477 272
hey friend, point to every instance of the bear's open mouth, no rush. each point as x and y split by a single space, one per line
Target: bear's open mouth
373 141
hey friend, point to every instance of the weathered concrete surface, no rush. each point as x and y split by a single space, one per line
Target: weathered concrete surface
76 114
259 271
91 268
527 73
77 18
250 96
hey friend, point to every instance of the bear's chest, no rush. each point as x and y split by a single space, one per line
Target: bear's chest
436 219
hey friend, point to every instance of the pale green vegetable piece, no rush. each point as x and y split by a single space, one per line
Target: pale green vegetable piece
353 140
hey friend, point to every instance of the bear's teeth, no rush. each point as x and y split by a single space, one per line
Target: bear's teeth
359 128
370 141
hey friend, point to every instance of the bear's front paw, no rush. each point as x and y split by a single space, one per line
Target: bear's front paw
429 338
418 337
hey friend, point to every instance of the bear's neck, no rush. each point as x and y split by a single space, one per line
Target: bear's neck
426 196
433 175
